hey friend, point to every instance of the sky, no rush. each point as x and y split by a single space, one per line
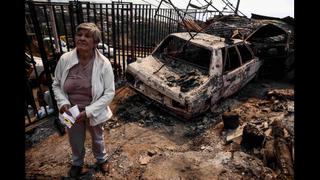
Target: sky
274 8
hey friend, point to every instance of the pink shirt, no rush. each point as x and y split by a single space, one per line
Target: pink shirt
78 85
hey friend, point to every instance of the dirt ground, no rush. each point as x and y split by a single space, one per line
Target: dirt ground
145 142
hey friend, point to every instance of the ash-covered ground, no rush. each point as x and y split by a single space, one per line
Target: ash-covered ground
146 142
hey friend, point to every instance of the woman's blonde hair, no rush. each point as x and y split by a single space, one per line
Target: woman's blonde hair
93 29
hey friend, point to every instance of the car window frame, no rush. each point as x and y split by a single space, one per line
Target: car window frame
226 48
250 50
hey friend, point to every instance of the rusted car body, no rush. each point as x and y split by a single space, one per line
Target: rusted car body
188 76
272 39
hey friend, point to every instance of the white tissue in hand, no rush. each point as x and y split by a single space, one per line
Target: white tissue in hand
69 120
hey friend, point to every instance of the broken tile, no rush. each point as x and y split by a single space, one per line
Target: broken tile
151 152
235 134
268 132
144 160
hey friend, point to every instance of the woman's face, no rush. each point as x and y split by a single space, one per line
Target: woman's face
84 40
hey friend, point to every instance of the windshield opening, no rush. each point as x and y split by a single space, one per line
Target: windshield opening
174 48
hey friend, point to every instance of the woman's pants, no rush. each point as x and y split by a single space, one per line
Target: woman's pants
77 136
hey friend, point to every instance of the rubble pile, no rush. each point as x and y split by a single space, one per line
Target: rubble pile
226 26
249 136
267 134
187 81
248 128
137 109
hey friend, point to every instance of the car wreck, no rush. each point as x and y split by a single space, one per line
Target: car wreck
188 75
272 39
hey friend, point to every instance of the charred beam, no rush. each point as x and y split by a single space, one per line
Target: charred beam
282 152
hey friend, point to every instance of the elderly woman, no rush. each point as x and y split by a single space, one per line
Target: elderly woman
84 77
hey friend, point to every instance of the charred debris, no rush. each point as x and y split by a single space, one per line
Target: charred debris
257 126
271 38
268 134
190 72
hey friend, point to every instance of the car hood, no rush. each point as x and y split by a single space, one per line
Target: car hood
173 78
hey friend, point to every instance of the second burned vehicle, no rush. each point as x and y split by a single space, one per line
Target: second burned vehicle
189 76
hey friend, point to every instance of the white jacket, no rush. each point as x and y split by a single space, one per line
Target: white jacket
102 81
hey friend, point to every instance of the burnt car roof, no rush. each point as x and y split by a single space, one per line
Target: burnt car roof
226 26
207 40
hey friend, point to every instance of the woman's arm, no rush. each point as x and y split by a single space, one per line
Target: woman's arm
57 86
94 109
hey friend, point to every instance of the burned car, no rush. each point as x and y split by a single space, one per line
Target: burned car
190 75
271 38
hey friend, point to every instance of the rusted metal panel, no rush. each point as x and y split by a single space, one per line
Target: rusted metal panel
191 25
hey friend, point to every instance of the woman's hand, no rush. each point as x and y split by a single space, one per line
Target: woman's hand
82 116
65 108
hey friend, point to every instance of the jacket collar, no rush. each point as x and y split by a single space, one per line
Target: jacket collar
74 57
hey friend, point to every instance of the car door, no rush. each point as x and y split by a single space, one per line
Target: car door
232 71
250 64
